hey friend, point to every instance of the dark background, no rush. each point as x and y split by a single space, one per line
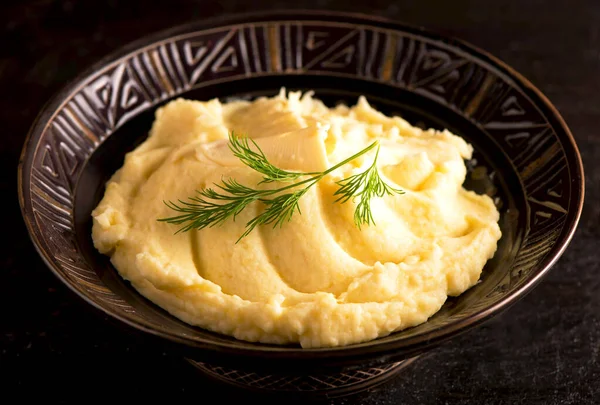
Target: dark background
543 350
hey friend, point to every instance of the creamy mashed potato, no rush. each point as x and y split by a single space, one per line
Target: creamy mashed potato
318 280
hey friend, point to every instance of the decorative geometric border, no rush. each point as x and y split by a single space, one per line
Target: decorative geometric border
346 381
431 68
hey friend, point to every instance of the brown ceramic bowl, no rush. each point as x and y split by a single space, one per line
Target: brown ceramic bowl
525 158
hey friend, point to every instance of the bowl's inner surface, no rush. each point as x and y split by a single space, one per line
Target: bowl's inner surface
489 172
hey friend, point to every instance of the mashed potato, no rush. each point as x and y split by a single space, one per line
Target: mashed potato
318 280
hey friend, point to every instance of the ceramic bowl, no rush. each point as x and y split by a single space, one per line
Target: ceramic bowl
525 158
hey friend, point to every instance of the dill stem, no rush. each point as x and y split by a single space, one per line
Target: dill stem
320 175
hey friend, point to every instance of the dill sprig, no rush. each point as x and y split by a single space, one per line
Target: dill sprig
210 207
213 206
256 159
363 187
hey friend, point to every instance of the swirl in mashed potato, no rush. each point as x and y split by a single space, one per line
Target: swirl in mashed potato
318 280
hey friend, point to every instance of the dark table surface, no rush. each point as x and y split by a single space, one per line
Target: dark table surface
544 350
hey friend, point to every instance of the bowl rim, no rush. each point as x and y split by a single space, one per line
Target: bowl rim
401 348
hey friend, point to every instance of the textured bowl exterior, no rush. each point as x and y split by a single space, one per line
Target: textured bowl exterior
522 134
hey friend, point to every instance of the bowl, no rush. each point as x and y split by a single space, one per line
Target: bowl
525 158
